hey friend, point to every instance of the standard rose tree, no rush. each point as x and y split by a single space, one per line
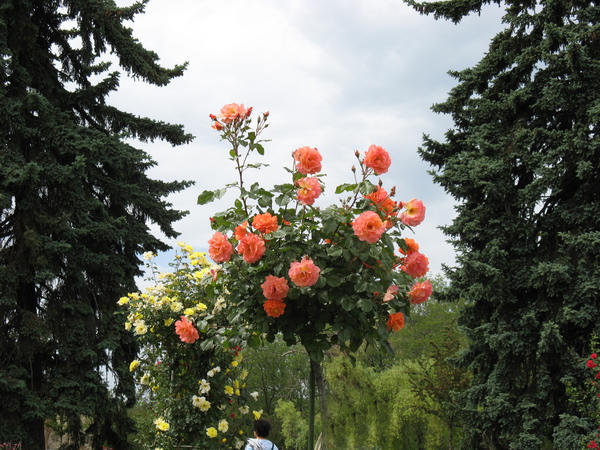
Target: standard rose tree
318 274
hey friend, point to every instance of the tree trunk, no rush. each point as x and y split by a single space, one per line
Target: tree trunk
320 382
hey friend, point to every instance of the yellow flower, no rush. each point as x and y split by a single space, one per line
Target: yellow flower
211 432
155 388
148 256
224 440
244 374
145 379
234 363
237 392
228 390
134 365
141 328
176 306
123 301
223 426
257 414
168 322
127 326
201 306
241 432
161 425
189 311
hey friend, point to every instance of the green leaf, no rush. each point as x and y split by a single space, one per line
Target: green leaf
345 187
348 303
254 341
335 251
206 197
260 149
232 153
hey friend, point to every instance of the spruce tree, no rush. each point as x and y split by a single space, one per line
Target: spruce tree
75 209
522 162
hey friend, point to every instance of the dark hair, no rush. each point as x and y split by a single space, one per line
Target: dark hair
262 427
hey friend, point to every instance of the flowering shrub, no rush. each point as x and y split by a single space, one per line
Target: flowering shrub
322 275
592 364
190 365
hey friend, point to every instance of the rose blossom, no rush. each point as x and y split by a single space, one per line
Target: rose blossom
377 159
275 288
219 248
274 308
309 191
420 292
414 214
251 247
416 264
396 321
265 223
308 160
390 293
382 200
304 273
231 112
186 331
412 246
368 227
241 230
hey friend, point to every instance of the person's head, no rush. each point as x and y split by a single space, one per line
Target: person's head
262 428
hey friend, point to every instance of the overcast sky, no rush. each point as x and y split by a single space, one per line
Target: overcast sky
338 75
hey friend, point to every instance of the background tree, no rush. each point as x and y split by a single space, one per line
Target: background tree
523 162
75 204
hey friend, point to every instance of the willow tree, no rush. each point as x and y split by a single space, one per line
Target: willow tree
75 209
523 162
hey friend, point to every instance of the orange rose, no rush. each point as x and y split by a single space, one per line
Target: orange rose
309 191
251 247
416 264
241 230
377 159
219 248
265 223
232 112
274 308
368 227
308 160
396 321
412 246
382 200
420 292
186 331
275 288
304 273
414 214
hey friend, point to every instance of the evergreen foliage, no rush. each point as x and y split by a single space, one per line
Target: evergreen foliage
523 162
75 204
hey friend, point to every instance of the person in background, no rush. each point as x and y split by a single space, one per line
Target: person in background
260 441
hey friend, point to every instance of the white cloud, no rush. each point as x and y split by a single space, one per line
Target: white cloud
337 75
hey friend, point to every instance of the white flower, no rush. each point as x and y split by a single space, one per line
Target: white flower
141 328
213 371
223 426
238 443
148 256
145 379
204 387
254 395
244 409
201 403
176 306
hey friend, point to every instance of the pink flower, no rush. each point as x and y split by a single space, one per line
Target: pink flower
232 112
251 247
591 364
414 214
219 248
304 273
217 126
309 191
377 159
368 227
412 246
420 292
186 331
274 308
593 356
416 264
308 160
390 293
396 321
265 223
275 288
